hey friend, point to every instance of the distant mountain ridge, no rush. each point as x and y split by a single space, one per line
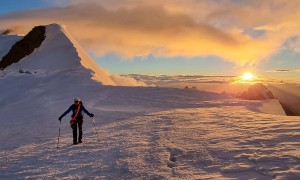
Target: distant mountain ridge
257 92
262 92
6 32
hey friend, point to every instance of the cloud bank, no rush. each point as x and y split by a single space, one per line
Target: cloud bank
244 32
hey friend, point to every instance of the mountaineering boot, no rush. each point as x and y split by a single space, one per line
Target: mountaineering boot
79 141
74 143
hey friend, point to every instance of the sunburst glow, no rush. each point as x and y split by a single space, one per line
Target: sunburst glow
248 76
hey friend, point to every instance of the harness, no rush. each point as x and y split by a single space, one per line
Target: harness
73 120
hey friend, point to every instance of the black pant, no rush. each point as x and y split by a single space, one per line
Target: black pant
74 127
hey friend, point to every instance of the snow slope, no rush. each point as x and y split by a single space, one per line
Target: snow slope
144 132
208 142
289 95
6 42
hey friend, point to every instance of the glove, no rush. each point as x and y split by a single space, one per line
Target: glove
60 118
92 115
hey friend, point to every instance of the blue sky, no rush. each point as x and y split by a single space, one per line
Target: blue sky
7 6
217 49
160 66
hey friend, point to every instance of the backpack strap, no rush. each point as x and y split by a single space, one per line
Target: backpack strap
74 118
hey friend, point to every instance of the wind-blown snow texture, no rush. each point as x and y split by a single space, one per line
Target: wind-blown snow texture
144 133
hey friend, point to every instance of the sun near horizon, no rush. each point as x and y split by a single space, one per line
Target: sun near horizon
248 76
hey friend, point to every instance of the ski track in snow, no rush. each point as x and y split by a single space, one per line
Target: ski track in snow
197 143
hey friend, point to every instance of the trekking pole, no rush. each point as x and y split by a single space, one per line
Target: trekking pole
58 134
96 129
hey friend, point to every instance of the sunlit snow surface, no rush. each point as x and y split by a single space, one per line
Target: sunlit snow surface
6 42
195 143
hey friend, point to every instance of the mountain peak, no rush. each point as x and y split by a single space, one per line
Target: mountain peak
85 60
52 49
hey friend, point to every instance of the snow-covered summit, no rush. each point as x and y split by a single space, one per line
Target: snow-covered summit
86 61
60 52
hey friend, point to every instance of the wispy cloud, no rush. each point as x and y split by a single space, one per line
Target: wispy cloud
278 71
283 71
244 32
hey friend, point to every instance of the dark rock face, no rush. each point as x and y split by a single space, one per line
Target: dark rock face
24 47
6 32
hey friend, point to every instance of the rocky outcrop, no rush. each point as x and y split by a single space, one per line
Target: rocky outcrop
257 92
24 47
6 32
261 92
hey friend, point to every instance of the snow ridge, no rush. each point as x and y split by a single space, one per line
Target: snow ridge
86 61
